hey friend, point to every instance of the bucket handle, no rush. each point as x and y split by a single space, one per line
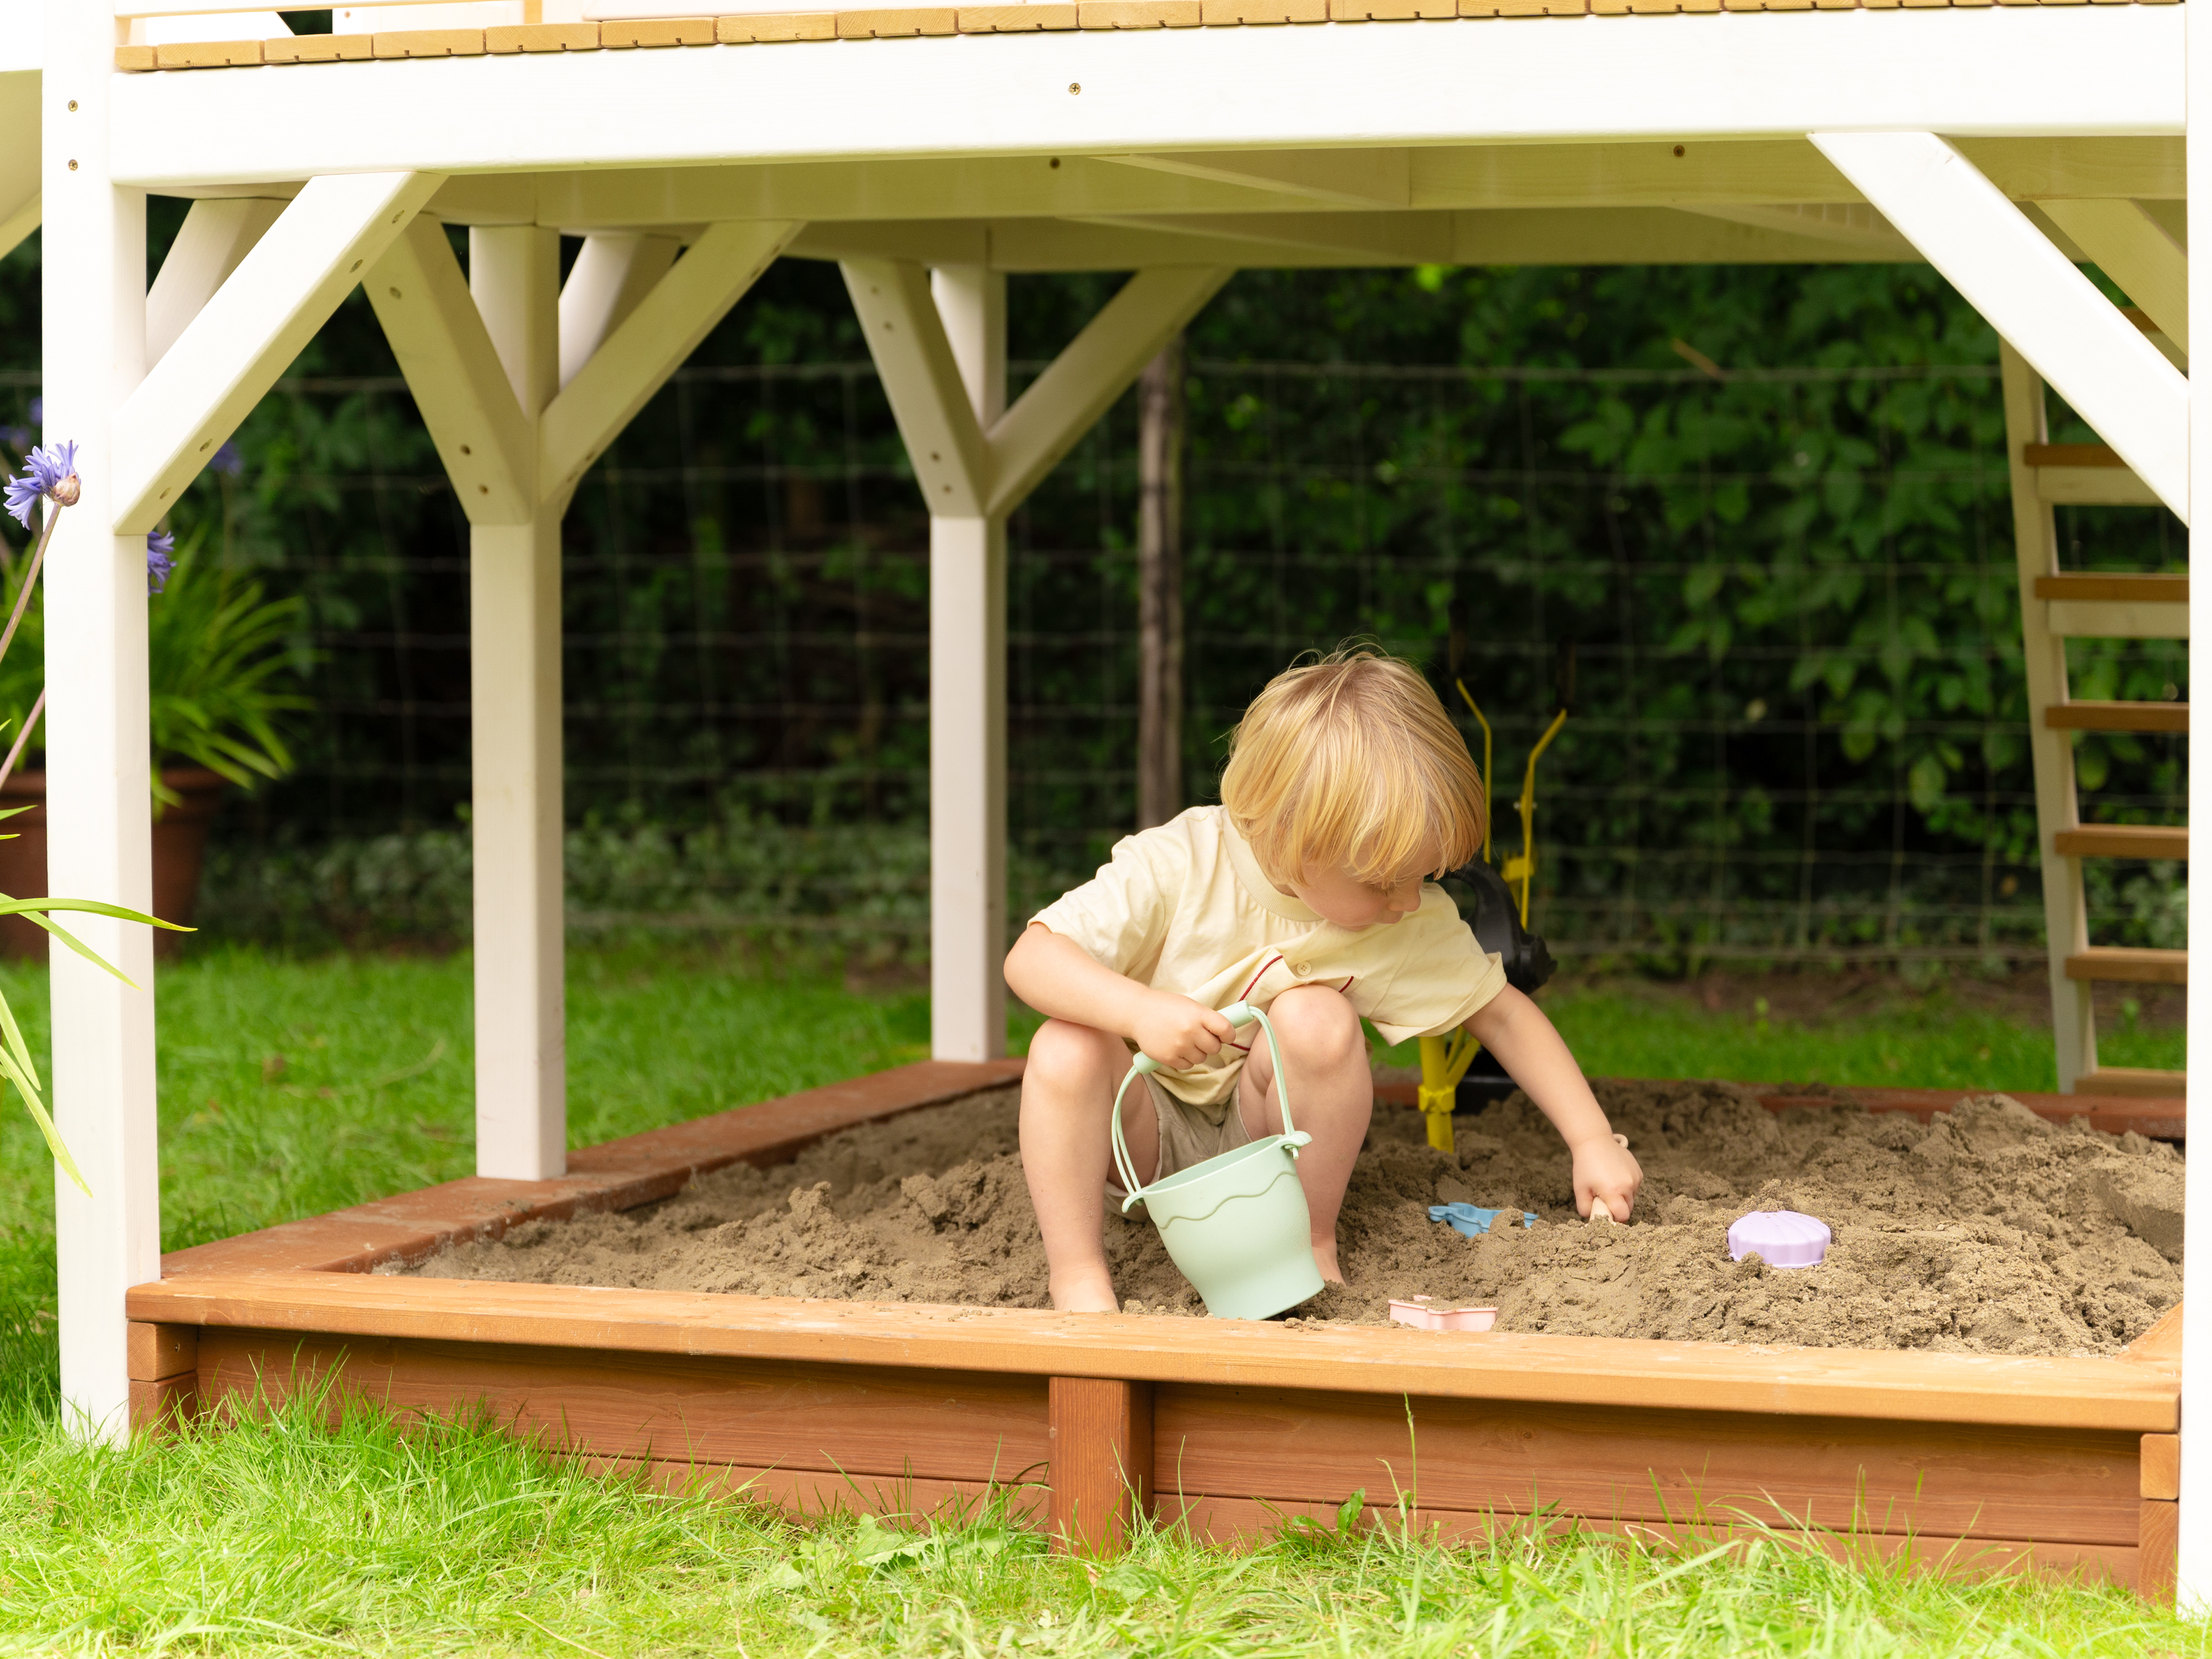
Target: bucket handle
1238 1014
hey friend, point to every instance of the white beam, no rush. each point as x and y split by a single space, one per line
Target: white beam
1354 178
648 346
1098 366
967 786
2194 1578
613 273
514 699
98 817
921 378
2007 269
2135 251
467 402
215 237
2056 70
248 333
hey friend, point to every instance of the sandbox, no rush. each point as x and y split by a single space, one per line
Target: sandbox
1968 1459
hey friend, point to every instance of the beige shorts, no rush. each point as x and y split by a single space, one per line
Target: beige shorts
1187 1137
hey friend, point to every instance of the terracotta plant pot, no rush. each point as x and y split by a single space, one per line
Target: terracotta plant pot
179 843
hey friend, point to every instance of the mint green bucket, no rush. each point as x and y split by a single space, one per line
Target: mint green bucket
1237 1224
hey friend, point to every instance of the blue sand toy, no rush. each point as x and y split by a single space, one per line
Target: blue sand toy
1470 1219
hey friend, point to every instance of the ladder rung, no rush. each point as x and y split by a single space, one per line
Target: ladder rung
2071 455
2128 965
2091 716
2124 841
2100 588
2134 1081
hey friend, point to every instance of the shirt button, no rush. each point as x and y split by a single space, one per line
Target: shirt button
1302 969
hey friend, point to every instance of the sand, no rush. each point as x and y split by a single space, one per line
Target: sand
1990 1230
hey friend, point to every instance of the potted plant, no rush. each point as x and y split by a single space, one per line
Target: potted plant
220 674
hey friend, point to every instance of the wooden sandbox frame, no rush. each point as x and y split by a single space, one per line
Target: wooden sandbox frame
1966 1463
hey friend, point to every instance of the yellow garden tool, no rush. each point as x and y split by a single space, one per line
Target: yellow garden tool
1500 922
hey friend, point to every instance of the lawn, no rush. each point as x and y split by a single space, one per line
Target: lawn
291 1087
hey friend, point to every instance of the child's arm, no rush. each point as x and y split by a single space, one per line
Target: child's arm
1529 1047
1058 977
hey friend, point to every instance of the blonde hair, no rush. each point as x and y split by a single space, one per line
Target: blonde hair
1350 760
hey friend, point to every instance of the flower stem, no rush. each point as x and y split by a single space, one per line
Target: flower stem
22 737
30 581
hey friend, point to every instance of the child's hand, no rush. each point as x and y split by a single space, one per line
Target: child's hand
1178 1032
1604 1168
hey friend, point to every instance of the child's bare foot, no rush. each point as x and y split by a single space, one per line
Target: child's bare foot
1325 1259
1086 1291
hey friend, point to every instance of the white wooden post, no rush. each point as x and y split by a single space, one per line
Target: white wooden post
514 654
100 809
968 707
2194 1582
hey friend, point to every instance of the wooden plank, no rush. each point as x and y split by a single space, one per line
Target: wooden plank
2092 486
2143 1080
2162 1344
318 49
2090 715
897 23
939 1424
428 43
2112 588
1523 8
1389 11
2100 455
2124 841
504 38
2128 965
2072 619
2161 1465
657 31
776 27
1907 1386
1220 13
1139 13
157 1352
1102 1469
1640 1464
134 60
161 1407
1017 19
206 54
2158 1551
617 1174
1243 1522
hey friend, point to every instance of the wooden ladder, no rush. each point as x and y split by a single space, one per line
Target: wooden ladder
2056 606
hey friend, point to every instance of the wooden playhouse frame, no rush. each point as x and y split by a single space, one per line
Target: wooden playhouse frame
932 149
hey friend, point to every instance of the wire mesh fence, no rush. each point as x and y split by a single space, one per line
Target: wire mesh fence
1798 719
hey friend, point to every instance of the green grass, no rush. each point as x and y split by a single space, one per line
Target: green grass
291 1535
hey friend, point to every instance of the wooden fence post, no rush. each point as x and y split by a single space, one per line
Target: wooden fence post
1101 1462
1159 586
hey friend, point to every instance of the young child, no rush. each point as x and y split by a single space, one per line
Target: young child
1308 892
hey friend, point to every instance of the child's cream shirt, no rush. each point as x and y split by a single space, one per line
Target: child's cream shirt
1184 907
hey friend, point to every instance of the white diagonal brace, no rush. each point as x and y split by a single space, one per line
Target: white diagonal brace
216 235
610 279
2031 294
1098 365
249 331
650 344
928 399
2135 251
446 354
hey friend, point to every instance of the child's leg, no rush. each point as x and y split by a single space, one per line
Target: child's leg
1067 1091
1332 1097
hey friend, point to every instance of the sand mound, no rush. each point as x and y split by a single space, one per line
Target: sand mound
1990 1230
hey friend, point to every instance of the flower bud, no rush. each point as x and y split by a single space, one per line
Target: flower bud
66 492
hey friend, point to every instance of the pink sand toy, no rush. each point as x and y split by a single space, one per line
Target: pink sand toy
1782 1238
1423 1315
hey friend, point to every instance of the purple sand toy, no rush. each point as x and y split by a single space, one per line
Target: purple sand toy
1783 1238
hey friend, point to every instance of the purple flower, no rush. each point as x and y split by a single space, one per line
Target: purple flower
228 460
50 472
160 550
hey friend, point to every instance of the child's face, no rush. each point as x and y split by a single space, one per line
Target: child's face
1338 897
